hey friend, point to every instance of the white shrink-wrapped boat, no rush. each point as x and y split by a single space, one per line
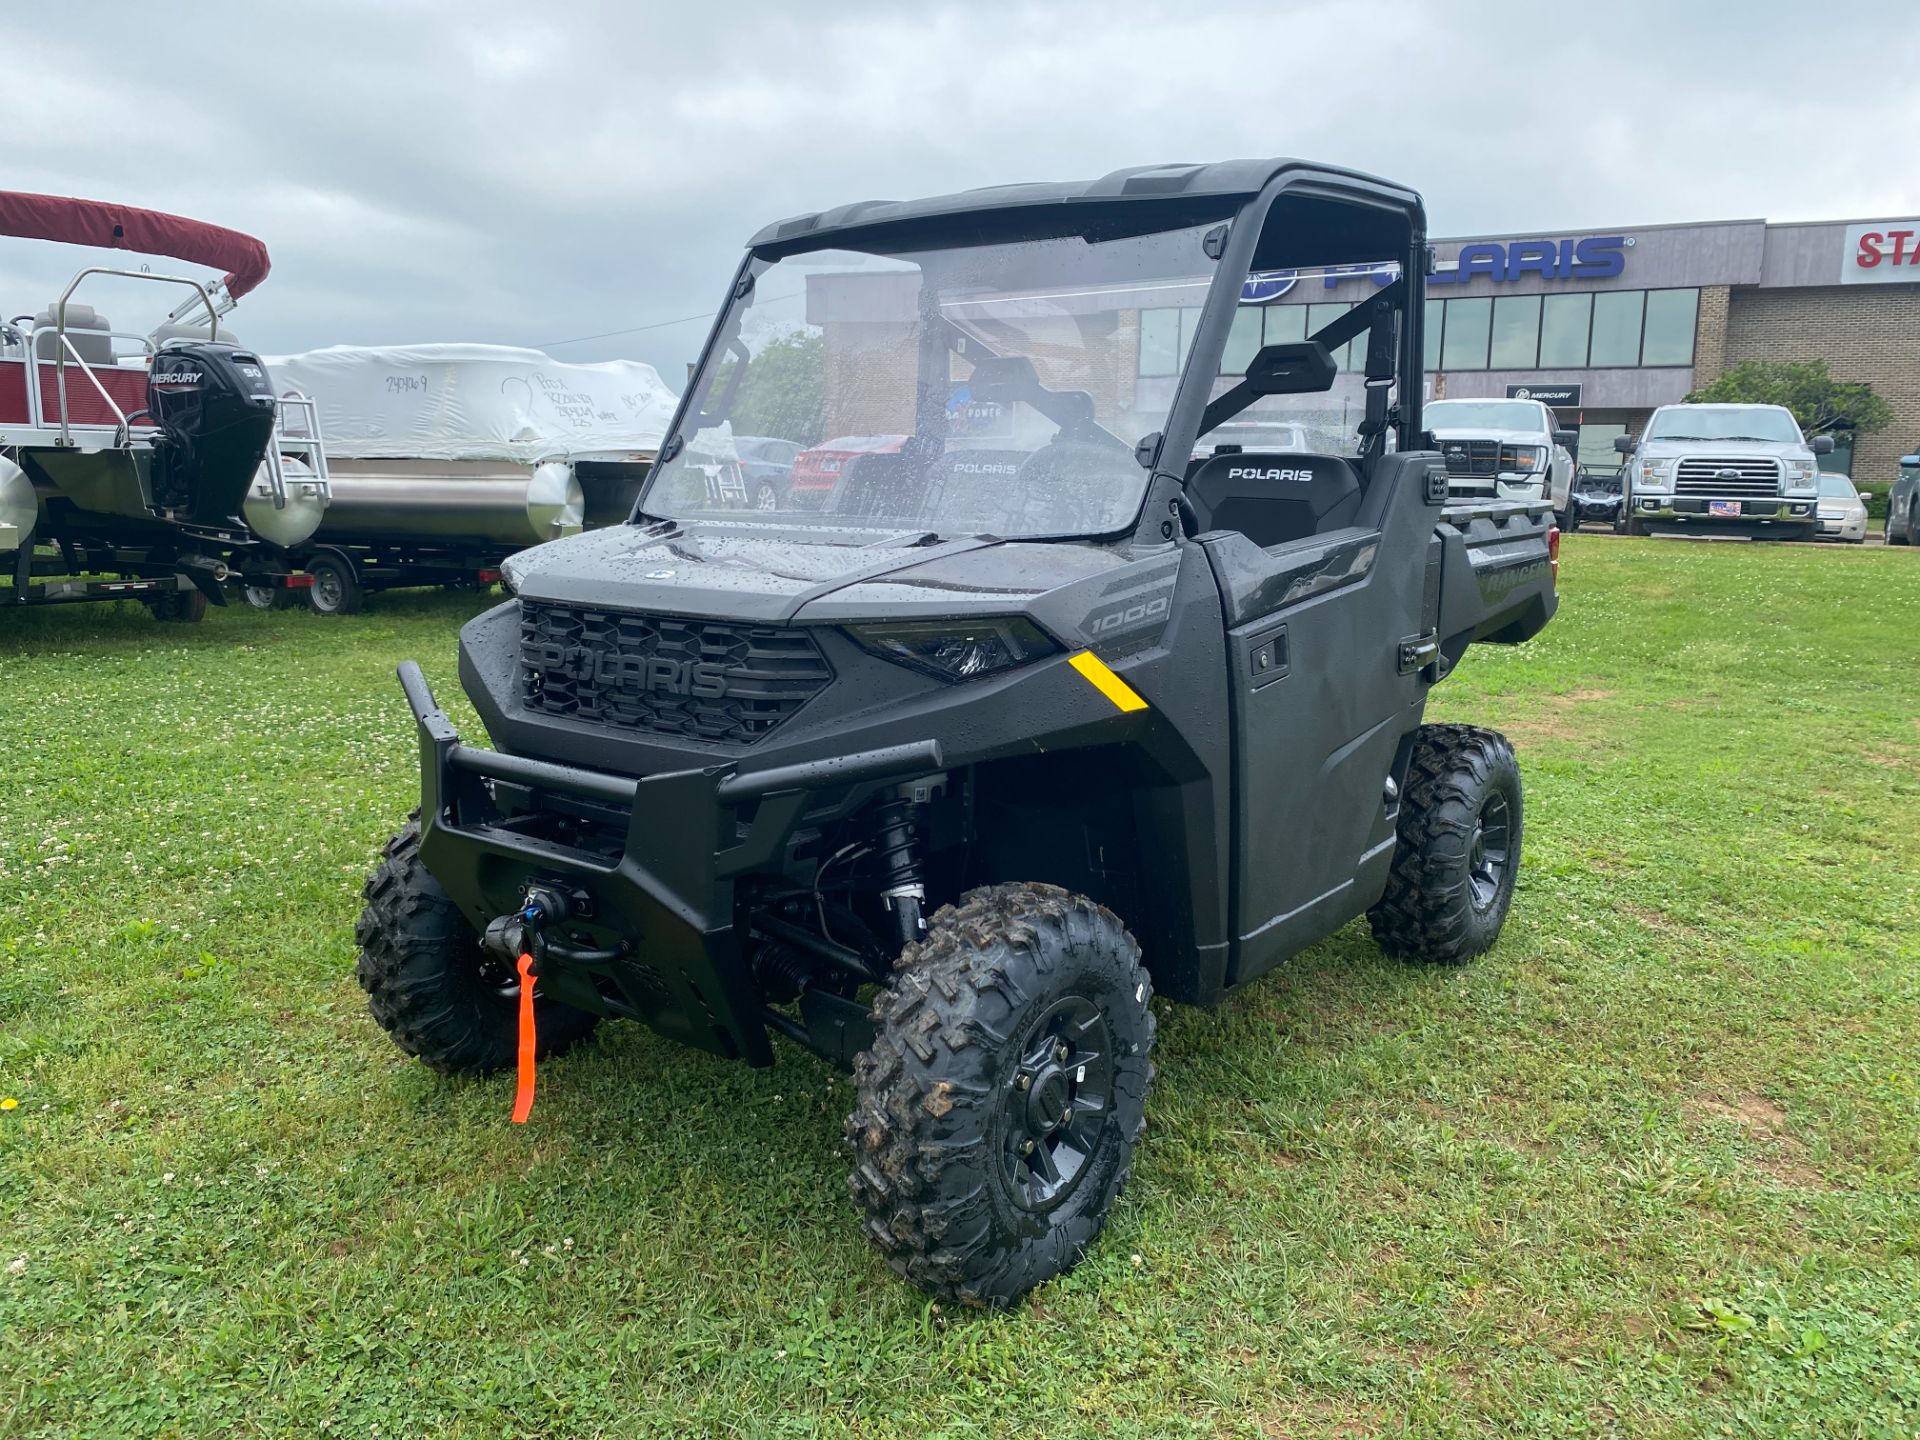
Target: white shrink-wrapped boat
446 458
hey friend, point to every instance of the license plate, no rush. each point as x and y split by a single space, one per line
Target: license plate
1724 507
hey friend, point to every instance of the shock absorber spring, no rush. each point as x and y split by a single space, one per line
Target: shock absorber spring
897 850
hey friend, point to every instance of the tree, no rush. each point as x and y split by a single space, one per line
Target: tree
1819 402
783 392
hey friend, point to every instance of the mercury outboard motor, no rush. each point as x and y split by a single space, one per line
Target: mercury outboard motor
214 404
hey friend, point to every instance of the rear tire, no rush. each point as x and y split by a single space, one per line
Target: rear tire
1898 534
336 589
179 607
1454 866
998 1108
430 985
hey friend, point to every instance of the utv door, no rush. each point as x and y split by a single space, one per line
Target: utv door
1322 694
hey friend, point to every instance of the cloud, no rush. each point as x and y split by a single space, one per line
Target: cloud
485 170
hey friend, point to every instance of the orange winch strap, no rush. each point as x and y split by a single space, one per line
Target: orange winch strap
523 1091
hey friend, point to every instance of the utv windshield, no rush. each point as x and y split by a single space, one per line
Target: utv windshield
982 389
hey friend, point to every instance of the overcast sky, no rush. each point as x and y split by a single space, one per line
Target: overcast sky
528 172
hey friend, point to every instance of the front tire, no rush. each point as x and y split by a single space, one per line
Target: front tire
1897 534
430 985
1458 851
997 1111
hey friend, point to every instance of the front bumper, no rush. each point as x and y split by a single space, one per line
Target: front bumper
1747 513
648 865
1841 528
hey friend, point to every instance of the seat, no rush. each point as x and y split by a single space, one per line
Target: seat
1273 497
86 328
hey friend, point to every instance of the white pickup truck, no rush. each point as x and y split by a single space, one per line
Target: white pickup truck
1504 450
1734 469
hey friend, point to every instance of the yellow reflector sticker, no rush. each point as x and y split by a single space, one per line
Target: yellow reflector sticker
1123 695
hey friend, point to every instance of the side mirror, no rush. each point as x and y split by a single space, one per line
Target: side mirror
1292 367
1910 459
1623 443
1568 438
1823 444
1865 496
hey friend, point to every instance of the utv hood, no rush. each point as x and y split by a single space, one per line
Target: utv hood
767 573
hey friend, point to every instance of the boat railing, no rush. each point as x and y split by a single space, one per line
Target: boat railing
66 353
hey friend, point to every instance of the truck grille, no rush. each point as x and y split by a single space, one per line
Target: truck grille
1746 475
1471 457
697 679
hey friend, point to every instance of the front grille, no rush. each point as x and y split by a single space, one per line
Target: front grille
1471 457
1746 475
698 679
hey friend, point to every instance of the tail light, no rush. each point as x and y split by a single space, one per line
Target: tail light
1553 552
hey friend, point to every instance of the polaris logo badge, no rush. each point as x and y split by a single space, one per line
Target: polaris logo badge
1301 477
700 679
979 468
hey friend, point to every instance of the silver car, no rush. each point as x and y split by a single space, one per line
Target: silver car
1843 511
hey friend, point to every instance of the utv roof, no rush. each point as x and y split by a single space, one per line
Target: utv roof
1223 180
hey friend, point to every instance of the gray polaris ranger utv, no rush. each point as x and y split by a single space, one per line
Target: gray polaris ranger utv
1029 683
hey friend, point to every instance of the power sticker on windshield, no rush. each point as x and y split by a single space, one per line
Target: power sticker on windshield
1098 675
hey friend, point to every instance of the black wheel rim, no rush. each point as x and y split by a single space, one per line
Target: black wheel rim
1491 850
1056 1102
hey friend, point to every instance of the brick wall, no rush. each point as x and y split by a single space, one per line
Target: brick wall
1863 332
1710 335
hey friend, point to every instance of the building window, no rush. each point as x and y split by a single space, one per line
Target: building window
1516 332
1243 341
1616 328
1286 324
1159 342
1465 345
1671 319
1436 310
1563 332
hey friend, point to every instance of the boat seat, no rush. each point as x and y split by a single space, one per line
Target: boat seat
94 348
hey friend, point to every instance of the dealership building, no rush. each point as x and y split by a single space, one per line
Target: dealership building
1606 325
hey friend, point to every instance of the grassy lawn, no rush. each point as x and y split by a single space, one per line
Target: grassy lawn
1647 1169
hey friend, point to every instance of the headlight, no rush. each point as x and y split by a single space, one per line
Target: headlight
1655 474
956 649
1801 473
1523 458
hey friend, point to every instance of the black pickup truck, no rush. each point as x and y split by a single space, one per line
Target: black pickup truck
1055 691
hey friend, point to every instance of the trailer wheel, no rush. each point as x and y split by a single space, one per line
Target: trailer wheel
997 1111
336 590
179 607
1458 851
264 597
429 983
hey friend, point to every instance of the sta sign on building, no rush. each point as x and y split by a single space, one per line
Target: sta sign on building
1882 252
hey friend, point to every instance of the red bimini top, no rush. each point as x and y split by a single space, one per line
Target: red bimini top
148 232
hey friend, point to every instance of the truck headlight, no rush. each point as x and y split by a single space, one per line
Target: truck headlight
1801 474
956 649
1655 475
1525 459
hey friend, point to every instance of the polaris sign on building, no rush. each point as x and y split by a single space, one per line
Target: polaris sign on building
1605 325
